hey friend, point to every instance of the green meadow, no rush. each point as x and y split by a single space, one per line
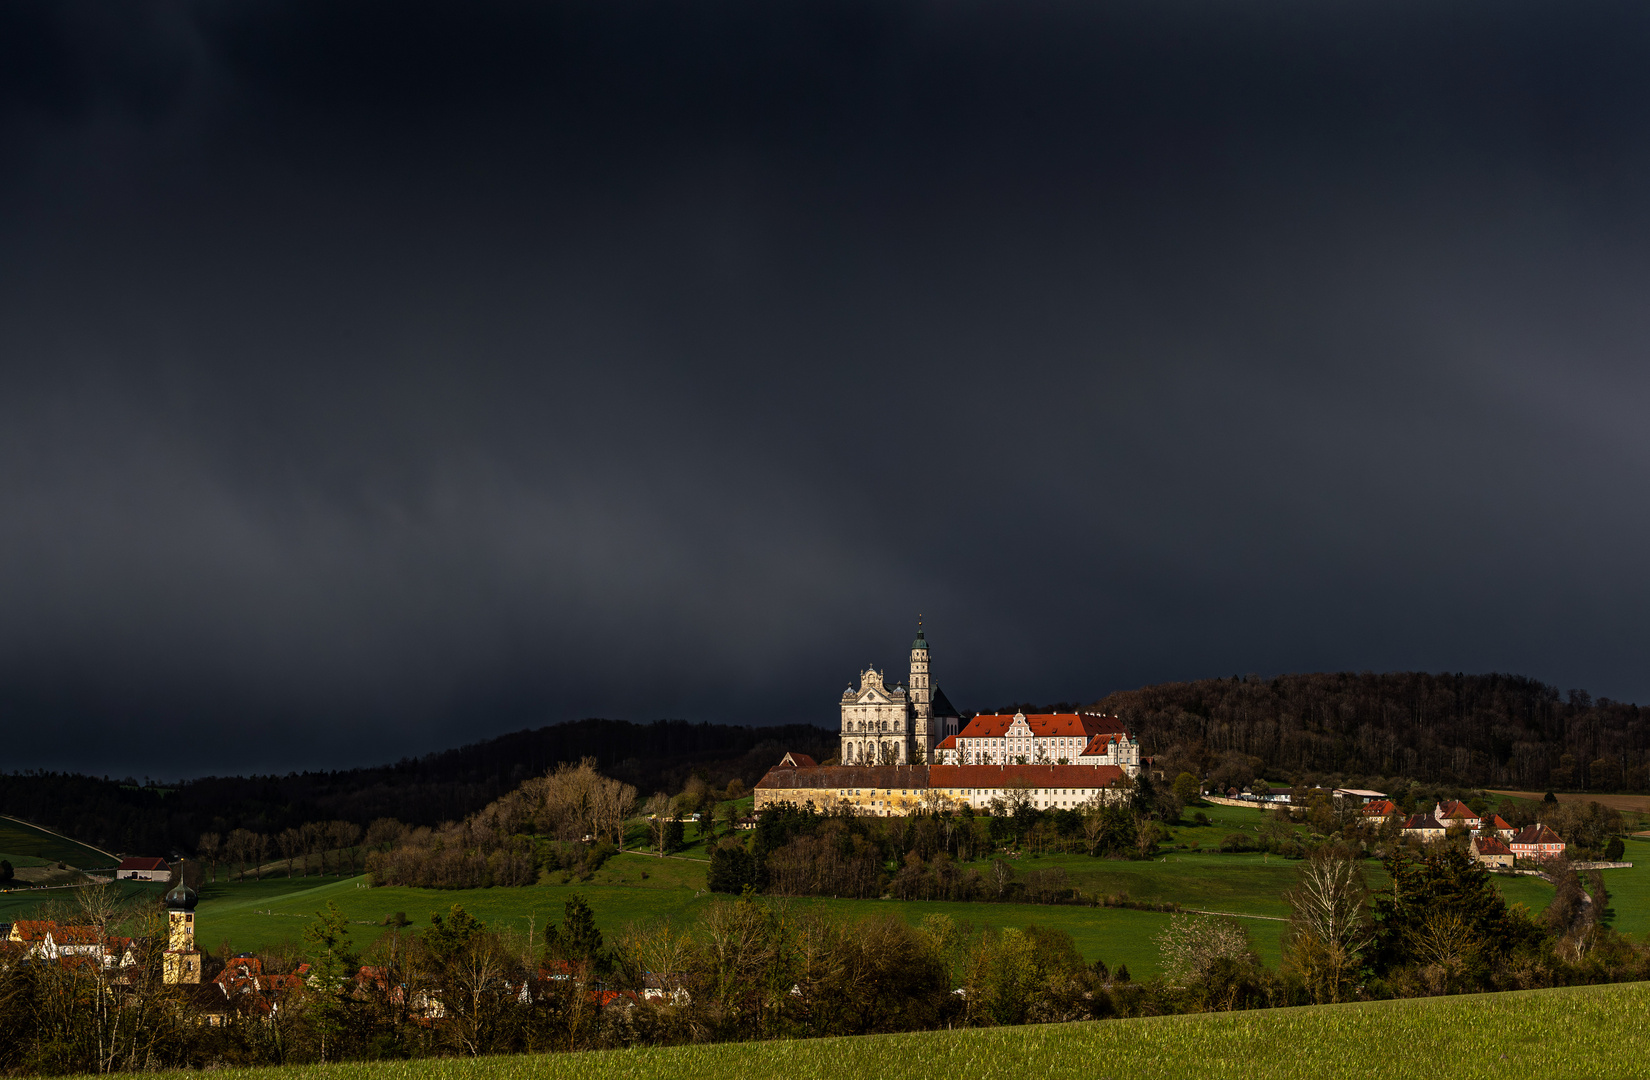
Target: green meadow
1576 1032
25 845
634 886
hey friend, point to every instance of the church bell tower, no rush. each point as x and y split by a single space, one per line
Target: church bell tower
922 701
181 962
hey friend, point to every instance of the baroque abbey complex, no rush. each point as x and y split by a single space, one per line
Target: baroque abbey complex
905 747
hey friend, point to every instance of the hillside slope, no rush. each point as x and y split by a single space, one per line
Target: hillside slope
1467 730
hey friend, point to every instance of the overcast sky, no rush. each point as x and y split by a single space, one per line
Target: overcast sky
378 378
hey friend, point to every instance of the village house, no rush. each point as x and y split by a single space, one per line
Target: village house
1423 825
243 988
1454 813
47 940
143 870
1380 809
1496 825
1490 851
1537 842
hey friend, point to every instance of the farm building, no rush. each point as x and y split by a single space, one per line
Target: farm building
143 870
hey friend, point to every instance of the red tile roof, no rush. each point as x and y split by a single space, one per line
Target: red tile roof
847 776
1489 845
1495 821
1422 821
947 743
802 761
1042 725
1099 745
1536 834
1380 808
1456 809
141 864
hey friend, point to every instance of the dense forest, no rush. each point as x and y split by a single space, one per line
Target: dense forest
1466 730
121 816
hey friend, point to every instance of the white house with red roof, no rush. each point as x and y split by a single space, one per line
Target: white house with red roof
1496 825
1456 812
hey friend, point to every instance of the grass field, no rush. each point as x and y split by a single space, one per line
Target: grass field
18 838
1553 1034
637 887
260 915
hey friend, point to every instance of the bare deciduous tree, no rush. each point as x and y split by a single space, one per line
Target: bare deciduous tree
1330 928
291 842
210 848
658 809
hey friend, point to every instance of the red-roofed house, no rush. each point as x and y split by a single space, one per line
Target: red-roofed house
1537 842
1456 813
798 761
143 870
1497 825
1491 852
1381 808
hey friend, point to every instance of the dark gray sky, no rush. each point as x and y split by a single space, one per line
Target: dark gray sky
377 378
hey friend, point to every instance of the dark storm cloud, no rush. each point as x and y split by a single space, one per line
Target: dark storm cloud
375 378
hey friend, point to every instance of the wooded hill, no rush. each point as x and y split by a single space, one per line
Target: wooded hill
1464 730
444 786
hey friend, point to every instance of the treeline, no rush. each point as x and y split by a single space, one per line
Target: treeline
1482 731
751 969
120 815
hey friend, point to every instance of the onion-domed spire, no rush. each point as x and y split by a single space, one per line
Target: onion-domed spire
182 898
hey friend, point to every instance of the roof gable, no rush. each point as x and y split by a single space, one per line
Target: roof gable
143 864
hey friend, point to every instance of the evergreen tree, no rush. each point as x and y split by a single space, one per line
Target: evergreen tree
577 941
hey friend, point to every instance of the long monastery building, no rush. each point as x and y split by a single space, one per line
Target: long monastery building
888 790
903 751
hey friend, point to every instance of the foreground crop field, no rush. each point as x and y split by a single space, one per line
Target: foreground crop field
1552 1034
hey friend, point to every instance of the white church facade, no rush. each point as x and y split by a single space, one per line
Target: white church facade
899 725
